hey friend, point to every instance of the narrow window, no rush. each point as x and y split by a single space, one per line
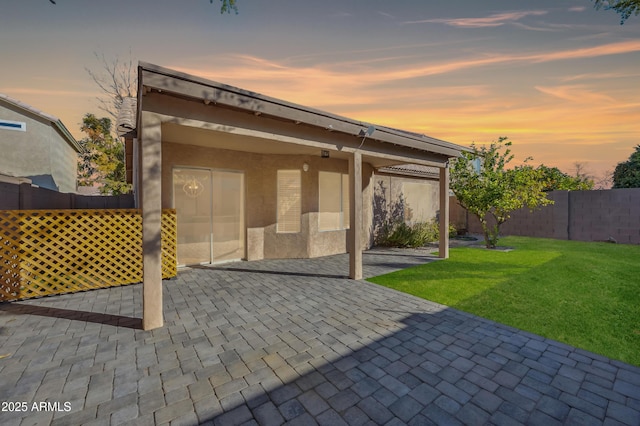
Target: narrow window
345 202
289 201
13 125
334 201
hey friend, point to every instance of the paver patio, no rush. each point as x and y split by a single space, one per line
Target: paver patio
293 341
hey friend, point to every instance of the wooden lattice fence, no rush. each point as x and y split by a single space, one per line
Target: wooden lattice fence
45 252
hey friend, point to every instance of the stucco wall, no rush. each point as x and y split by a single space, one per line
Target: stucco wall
64 163
414 199
40 150
260 174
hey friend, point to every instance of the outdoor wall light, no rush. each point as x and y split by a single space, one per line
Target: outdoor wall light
305 167
324 153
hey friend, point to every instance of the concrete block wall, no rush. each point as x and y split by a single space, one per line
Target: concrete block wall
9 196
603 215
26 197
575 215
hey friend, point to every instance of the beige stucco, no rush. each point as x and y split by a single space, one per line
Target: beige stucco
240 146
204 124
260 171
151 220
39 150
418 198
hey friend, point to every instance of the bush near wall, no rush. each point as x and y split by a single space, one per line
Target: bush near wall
402 234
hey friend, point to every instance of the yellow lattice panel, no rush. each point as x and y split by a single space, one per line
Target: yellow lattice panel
9 254
169 235
44 252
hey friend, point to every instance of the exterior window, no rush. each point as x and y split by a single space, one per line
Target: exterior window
334 201
13 125
289 201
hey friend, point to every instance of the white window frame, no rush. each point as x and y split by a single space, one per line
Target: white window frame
19 126
285 222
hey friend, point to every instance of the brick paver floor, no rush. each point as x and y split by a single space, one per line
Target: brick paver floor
293 341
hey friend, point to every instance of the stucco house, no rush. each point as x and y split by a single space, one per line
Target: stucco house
255 177
36 146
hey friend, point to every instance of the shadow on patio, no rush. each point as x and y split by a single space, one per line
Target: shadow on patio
247 347
440 367
21 308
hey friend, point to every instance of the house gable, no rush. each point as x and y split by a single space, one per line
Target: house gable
42 147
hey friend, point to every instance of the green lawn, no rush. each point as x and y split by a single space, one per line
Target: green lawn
583 294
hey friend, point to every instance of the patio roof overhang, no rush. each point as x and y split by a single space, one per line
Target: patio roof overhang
180 108
270 125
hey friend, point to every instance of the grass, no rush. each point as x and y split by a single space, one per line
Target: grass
583 294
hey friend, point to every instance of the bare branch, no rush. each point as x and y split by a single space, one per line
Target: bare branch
116 79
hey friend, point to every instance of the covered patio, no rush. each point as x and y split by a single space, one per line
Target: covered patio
272 149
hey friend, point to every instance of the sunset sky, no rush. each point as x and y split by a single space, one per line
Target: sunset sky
557 77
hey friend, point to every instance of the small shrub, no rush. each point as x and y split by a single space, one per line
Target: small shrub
401 234
452 230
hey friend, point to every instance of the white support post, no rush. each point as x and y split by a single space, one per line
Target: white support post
443 244
355 216
151 140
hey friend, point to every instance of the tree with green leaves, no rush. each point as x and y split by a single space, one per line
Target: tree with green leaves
625 8
102 161
491 191
556 180
627 173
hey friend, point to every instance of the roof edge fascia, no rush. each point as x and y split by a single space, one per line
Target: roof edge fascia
396 172
51 119
68 136
391 134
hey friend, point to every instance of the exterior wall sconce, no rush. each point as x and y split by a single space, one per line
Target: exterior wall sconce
324 153
305 167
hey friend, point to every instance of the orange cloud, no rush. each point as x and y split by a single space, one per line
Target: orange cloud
495 20
576 93
600 76
556 124
251 68
588 52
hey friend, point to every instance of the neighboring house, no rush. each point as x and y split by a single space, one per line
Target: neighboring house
254 177
37 146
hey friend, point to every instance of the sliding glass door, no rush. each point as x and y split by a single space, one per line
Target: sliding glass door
228 216
210 210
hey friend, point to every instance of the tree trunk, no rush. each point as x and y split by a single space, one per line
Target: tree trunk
485 232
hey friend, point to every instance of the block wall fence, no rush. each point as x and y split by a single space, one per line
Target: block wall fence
575 215
26 197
